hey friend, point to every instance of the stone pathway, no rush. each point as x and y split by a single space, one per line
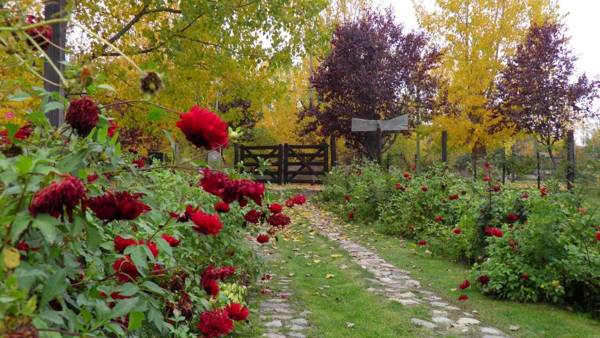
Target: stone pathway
398 285
280 318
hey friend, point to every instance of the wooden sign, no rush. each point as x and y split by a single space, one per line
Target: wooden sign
396 124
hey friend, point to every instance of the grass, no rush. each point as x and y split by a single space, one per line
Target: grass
340 305
442 276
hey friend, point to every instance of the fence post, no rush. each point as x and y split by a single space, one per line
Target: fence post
539 169
444 146
325 158
333 150
285 164
570 159
56 53
282 160
378 144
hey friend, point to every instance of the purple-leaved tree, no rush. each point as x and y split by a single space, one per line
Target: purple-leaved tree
375 70
538 93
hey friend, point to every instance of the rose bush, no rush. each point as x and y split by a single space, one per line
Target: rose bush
524 244
95 245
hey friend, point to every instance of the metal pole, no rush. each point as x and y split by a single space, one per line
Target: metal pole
56 52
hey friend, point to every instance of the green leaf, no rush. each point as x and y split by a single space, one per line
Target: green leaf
19 225
138 256
164 246
93 237
153 287
24 164
19 96
56 285
53 105
135 320
47 225
156 114
123 307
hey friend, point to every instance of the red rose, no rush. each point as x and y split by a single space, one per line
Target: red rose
289 203
184 216
487 178
82 115
399 186
253 216
140 163
22 133
406 176
215 323
543 191
173 242
487 166
439 219
497 187
151 245
453 197
118 206
213 182
457 231
221 207
206 224
237 311
58 197
275 208
493 231
512 217
463 298
210 286
598 236
116 295
465 284
483 279
92 178
42 35
278 220
525 196
424 188
112 128
125 270
262 238
347 198
122 243
422 242
203 128
22 246
524 276
351 215
299 199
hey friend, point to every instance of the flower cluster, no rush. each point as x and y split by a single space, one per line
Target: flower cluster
295 200
493 232
82 115
210 277
206 224
118 206
229 190
22 134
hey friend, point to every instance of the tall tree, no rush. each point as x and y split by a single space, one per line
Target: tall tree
375 70
478 36
537 92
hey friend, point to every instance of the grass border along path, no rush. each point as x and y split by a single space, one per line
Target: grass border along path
443 277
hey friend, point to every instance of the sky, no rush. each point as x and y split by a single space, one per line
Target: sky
581 21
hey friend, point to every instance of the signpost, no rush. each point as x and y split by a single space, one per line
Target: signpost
375 130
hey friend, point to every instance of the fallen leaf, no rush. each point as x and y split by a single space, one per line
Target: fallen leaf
514 327
12 258
329 276
349 325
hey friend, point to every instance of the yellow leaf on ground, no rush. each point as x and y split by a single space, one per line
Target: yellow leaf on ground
12 257
329 276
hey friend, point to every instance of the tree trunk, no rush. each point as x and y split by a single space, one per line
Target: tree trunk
553 159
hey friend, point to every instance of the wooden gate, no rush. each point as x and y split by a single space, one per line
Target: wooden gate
284 163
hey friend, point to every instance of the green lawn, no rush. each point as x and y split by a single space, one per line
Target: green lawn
441 275
340 304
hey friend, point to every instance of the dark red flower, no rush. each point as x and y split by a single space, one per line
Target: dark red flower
544 191
463 298
487 178
457 231
487 166
125 270
253 216
465 284
185 305
203 128
122 243
151 245
496 187
171 240
140 162
92 178
299 199
275 208
289 203
512 217
184 216
424 188
453 197
210 286
524 276
598 236
422 242
262 238
399 186
82 115
251 190
406 176
213 182
221 206
439 219
493 231
278 220
483 279
351 215
237 311
525 196
42 35
118 206
22 133
112 128
206 224
58 197
347 198
215 323
116 295
22 246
